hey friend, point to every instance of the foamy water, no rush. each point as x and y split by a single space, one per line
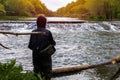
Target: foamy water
77 44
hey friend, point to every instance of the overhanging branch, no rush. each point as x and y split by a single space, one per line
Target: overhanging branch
4 46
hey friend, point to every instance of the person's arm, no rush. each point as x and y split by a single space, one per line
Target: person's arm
51 39
32 42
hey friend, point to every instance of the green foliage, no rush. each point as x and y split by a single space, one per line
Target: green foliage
11 72
2 10
19 7
83 9
24 7
98 9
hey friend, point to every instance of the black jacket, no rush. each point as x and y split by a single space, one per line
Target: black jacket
40 40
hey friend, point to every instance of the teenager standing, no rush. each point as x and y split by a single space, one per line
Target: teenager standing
42 63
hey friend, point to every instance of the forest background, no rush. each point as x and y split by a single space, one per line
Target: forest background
83 9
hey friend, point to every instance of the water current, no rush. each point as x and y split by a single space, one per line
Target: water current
77 44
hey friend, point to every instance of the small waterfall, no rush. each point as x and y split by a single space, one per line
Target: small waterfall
58 27
110 27
83 27
91 27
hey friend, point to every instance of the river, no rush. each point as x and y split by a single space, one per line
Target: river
77 44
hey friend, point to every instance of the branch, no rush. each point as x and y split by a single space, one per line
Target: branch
4 46
21 33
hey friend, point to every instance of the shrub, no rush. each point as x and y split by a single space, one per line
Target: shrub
8 71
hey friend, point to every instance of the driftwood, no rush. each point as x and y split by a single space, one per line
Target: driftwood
76 69
20 33
117 74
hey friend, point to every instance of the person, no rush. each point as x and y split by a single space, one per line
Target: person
42 64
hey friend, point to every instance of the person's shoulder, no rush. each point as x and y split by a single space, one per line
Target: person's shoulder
34 30
48 31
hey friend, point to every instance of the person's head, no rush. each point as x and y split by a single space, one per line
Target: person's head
41 21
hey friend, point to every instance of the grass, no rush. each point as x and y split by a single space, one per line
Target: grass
8 71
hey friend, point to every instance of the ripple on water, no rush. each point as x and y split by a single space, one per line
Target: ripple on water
77 44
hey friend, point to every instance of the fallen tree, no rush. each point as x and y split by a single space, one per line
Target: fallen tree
76 69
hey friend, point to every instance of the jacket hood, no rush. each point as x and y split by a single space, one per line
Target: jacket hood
41 22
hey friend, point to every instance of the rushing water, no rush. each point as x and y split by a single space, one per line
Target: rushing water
77 44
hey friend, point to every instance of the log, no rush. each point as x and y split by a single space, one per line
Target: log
114 61
21 33
58 72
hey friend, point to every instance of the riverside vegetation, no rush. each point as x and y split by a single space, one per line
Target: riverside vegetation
23 8
92 9
11 72
83 9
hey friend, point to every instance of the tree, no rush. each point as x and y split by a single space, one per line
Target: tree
98 9
73 9
40 8
2 2
25 7
19 7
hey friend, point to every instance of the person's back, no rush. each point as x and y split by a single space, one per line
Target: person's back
42 64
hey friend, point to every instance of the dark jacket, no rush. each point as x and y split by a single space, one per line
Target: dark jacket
40 40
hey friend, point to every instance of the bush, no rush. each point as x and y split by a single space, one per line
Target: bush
11 72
